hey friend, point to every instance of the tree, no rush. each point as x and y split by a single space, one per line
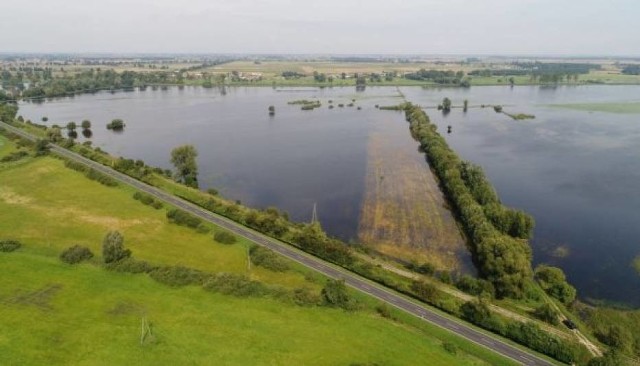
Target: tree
184 159
113 249
512 81
42 147
446 104
116 125
553 282
54 134
465 105
86 124
71 126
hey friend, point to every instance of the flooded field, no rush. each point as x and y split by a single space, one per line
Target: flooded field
575 169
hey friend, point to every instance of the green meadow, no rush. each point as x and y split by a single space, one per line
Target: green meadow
58 314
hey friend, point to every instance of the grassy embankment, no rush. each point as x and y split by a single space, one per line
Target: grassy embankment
61 314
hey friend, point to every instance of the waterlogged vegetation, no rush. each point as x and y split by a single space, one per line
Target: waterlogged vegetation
623 108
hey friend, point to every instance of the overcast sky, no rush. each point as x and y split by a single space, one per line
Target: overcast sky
511 27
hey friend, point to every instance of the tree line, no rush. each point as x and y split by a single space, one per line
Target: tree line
502 259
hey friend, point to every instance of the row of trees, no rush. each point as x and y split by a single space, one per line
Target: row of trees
503 260
95 80
449 77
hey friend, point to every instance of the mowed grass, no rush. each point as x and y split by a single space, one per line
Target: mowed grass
56 314
622 108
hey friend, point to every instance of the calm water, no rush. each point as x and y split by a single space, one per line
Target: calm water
577 173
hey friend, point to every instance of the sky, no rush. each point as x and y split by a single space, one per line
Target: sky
482 27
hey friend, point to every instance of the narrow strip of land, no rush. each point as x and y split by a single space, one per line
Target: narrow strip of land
355 281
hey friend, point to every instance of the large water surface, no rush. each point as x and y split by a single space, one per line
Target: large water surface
576 172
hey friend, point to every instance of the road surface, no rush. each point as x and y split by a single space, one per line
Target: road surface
353 280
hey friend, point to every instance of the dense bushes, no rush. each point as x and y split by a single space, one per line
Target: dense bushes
147 200
14 156
236 285
184 218
133 168
224 237
76 254
266 258
177 276
91 173
503 260
9 245
313 240
527 334
546 313
475 286
335 294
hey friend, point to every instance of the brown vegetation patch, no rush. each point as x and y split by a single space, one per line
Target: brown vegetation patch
404 214
12 198
40 298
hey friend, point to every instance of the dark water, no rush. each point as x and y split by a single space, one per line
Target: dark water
577 173
291 161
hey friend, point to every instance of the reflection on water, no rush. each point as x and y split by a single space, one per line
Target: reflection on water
576 172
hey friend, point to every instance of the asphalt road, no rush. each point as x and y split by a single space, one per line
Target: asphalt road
353 280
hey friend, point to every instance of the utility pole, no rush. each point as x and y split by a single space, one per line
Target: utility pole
314 215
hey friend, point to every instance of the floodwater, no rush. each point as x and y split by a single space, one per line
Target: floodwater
576 172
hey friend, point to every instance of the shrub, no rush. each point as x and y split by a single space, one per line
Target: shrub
225 237
425 291
474 286
147 200
9 245
450 347
266 258
385 311
130 265
14 156
305 297
335 294
235 284
183 218
75 254
178 276
546 313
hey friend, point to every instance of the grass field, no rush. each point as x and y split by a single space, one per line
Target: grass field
54 313
623 108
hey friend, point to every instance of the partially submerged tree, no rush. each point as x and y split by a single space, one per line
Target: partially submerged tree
446 104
